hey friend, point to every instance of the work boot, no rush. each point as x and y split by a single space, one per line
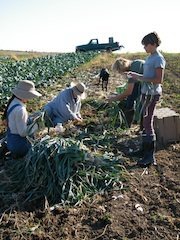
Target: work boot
149 150
140 152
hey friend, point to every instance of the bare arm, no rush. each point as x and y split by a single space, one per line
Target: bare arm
126 93
158 79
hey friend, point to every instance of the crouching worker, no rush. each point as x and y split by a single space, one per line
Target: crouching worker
16 117
66 105
132 92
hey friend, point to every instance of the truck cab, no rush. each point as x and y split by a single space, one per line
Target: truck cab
94 41
94 45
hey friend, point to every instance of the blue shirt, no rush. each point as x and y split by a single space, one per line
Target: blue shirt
65 107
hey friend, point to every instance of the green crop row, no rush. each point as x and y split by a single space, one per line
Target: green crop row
43 71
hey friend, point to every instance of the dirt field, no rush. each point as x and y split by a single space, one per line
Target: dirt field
146 208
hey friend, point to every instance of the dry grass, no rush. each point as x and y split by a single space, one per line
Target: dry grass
20 55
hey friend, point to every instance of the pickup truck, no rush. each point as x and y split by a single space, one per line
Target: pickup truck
94 45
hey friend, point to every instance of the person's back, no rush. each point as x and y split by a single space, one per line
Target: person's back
133 100
136 66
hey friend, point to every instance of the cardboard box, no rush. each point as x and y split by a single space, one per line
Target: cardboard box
167 126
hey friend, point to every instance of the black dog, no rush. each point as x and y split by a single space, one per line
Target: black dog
104 75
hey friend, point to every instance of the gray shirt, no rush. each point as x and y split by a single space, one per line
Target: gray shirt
64 107
17 119
155 60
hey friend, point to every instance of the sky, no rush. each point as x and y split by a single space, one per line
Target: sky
60 25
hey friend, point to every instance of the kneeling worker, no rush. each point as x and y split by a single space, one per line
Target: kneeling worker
16 117
66 105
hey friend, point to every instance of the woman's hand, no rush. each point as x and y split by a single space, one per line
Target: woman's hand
135 76
111 98
78 119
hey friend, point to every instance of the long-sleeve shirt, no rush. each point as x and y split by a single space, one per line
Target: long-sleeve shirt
65 107
17 119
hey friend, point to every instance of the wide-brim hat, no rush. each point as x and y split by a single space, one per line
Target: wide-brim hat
25 89
79 89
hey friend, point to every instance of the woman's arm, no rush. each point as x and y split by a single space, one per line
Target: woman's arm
126 93
158 79
21 121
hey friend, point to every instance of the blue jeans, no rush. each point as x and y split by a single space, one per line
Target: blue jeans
149 103
17 145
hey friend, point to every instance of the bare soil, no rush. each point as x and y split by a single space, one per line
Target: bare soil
147 207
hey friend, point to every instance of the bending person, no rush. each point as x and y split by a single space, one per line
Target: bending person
133 89
66 105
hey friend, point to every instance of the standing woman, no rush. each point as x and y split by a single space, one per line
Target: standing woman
151 91
16 117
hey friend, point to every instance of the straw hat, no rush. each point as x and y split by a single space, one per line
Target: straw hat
79 89
25 89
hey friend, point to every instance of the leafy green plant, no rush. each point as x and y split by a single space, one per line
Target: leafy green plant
44 71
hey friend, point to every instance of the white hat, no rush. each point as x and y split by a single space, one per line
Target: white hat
79 89
25 89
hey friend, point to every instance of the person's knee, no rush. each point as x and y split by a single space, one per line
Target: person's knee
47 109
20 152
